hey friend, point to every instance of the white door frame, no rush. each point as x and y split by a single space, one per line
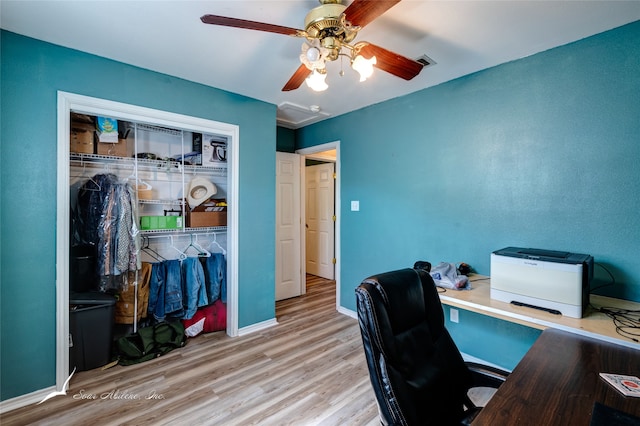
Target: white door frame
313 150
70 101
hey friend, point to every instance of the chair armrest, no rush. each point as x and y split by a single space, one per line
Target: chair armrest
486 376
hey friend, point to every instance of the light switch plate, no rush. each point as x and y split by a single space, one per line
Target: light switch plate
355 206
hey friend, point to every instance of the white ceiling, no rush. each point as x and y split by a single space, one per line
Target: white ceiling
167 36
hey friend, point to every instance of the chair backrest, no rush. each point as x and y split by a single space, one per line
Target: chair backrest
416 370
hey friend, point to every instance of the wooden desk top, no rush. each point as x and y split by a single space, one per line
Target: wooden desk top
594 324
557 383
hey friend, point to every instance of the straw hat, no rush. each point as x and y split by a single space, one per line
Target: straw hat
199 191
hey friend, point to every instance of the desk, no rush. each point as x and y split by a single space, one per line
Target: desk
557 382
593 324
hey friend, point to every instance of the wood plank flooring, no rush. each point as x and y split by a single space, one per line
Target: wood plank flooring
308 370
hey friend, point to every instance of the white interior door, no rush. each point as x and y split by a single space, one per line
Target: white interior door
288 226
320 224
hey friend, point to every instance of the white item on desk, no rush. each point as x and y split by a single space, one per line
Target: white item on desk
446 275
552 282
626 385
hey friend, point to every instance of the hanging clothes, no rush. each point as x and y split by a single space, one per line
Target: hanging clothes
156 290
193 286
106 217
215 271
128 301
177 288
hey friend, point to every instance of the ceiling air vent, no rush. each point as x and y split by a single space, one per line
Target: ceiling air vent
293 116
426 61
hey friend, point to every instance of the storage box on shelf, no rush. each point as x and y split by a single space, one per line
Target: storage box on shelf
209 214
81 138
152 223
145 191
119 149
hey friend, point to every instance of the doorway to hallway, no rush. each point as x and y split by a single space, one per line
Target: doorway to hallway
319 224
325 153
291 204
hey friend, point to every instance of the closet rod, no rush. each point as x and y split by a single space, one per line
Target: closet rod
184 234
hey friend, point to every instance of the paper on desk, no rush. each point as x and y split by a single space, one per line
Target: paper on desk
627 385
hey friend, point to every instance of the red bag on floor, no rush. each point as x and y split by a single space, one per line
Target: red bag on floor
207 319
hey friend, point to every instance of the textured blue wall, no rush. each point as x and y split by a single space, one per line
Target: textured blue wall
32 73
503 343
541 152
286 140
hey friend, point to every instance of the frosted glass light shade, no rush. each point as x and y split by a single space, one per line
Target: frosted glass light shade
363 66
316 81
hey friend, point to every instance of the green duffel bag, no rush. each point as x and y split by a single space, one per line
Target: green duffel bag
150 342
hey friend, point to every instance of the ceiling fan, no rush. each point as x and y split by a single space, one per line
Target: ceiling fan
329 29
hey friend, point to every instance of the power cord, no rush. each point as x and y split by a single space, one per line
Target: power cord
626 321
610 283
479 279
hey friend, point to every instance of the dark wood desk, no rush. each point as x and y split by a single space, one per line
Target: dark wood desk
557 382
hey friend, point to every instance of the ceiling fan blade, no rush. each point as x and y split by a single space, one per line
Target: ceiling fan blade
362 12
391 62
249 25
297 78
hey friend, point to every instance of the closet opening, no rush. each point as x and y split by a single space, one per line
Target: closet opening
145 197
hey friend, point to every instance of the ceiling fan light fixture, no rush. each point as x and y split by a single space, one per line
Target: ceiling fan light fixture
316 81
329 29
313 54
363 66
323 17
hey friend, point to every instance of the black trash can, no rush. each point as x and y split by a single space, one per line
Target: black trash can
83 274
91 318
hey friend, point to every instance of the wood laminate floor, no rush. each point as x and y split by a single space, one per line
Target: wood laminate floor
308 370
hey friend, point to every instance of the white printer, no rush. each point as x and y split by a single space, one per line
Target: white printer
554 281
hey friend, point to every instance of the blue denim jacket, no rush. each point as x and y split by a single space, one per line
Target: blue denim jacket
216 275
165 290
194 286
173 289
156 290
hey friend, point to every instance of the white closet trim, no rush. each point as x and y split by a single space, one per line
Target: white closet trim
84 104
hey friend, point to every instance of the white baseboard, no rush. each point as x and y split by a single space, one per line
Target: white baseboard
348 312
24 400
257 327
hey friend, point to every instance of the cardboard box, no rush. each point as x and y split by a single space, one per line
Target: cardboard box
149 223
210 213
81 138
119 149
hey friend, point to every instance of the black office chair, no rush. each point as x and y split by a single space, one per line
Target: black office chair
417 372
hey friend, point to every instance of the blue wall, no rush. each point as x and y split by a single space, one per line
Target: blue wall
32 73
541 152
286 140
503 343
